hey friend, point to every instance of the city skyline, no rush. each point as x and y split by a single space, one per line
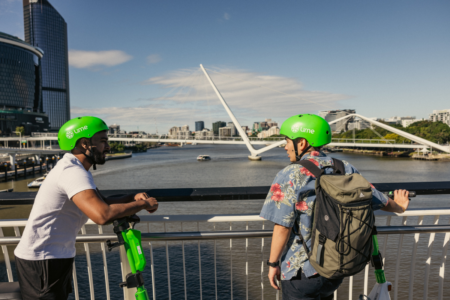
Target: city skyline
322 55
349 124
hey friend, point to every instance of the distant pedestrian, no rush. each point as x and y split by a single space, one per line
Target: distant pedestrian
290 203
65 201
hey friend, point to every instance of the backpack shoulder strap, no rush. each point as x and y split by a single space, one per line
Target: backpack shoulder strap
338 166
316 171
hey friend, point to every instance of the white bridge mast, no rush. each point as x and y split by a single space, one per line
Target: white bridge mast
254 153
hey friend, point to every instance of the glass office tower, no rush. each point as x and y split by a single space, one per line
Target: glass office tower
199 125
20 86
46 29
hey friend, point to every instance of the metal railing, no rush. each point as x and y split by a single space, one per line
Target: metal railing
232 250
364 141
263 234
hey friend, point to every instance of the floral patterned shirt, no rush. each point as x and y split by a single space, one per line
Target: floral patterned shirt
292 197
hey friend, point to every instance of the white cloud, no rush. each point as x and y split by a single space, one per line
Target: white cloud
87 59
226 16
147 117
153 58
247 93
189 97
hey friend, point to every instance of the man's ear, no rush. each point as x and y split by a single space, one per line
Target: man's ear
84 143
302 145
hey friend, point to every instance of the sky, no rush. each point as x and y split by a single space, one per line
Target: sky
136 63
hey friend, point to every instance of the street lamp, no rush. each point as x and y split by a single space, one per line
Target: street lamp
20 137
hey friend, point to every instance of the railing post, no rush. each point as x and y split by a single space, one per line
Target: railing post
6 171
40 165
24 168
15 171
128 294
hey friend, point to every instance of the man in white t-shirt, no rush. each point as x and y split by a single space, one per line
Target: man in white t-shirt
66 200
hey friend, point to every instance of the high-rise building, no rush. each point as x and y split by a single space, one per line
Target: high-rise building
331 115
269 132
173 132
45 28
233 128
114 129
204 134
217 125
20 86
271 123
358 124
441 115
256 127
199 125
225 132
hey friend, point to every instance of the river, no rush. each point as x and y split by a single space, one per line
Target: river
175 167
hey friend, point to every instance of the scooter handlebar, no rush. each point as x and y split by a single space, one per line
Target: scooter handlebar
412 194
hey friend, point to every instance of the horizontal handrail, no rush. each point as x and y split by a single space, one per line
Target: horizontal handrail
411 212
215 235
230 193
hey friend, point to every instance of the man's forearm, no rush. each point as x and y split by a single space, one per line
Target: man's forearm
120 210
280 237
392 206
121 199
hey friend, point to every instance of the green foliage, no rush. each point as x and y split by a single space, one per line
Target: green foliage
398 139
117 147
436 132
20 129
141 147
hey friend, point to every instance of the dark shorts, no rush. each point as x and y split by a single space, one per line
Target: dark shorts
49 279
312 288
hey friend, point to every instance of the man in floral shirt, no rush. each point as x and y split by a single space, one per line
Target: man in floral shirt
292 197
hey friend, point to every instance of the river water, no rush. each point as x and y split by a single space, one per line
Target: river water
174 167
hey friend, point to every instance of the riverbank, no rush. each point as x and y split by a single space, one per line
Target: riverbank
402 154
434 157
118 156
377 152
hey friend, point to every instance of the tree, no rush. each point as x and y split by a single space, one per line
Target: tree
20 129
398 139
436 132
116 147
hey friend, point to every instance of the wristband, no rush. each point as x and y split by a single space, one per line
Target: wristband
273 264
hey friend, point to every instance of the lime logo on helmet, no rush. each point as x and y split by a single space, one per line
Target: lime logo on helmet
297 127
70 133
80 129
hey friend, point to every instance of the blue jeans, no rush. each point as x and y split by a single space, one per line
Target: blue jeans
312 288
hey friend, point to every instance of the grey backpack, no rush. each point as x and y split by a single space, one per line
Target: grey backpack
343 222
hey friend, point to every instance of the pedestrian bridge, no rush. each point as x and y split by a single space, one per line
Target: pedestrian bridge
46 142
212 256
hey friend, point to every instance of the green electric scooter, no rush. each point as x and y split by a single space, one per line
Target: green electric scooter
382 288
131 240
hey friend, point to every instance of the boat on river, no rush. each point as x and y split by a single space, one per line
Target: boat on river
203 157
38 182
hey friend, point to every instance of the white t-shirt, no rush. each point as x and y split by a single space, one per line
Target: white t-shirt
55 220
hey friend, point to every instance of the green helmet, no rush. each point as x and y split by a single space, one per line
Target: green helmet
75 129
313 128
